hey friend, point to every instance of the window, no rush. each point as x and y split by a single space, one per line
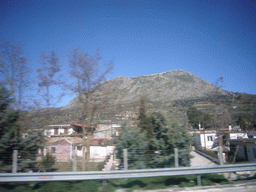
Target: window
53 150
79 148
65 131
209 138
56 131
254 151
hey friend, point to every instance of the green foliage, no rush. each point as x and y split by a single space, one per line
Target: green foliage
245 112
194 116
168 136
10 138
152 146
47 163
144 121
136 142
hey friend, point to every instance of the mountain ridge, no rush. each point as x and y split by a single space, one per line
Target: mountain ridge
171 92
160 87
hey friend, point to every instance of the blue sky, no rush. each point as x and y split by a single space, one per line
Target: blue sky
207 38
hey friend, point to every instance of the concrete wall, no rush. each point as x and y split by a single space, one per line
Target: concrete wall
63 152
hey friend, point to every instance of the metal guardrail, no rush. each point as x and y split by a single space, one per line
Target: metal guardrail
105 175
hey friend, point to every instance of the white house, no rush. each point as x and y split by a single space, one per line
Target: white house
238 135
60 129
106 129
100 148
209 138
64 147
205 139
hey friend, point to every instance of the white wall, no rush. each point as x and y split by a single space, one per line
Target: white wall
202 139
98 152
238 135
61 131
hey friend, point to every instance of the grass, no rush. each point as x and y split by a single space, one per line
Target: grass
149 183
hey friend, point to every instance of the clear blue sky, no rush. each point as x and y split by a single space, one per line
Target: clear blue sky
207 38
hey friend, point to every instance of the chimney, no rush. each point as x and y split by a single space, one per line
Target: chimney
200 128
230 128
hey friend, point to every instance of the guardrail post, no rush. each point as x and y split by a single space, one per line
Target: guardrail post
199 180
176 157
14 161
125 159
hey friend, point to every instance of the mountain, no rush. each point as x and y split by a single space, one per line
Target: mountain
162 87
171 92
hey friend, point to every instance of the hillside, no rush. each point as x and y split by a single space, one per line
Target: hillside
171 92
162 87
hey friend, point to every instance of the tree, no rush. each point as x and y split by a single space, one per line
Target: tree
11 139
136 143
143 119
222 117
241 122
168 136
194 116
158 150
47 77
14 72
246 117
87 73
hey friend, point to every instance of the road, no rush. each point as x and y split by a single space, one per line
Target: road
199 160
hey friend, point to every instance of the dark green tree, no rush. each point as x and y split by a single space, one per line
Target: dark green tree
168 136
135 142
143 120
194 116
158 150
246 116
11 139
207 121
241 122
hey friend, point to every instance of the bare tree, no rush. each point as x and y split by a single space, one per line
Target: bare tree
14 72
48 80
88 72
47 76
